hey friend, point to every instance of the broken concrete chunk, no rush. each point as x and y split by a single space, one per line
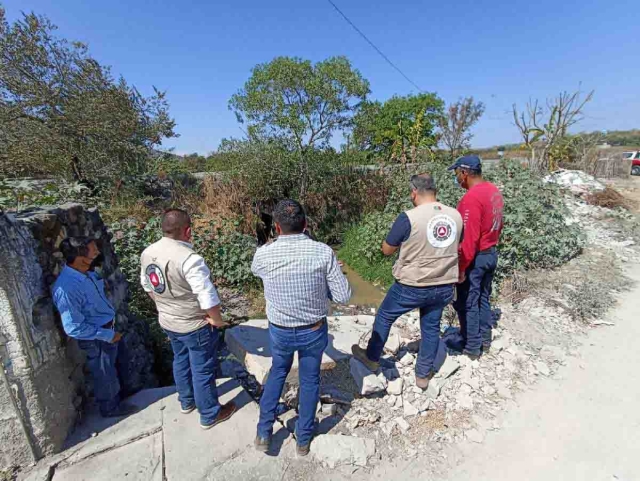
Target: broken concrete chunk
542 368
336 450
402 424
410 409
395 386
448 368
393 343
407 359
474 435
367 382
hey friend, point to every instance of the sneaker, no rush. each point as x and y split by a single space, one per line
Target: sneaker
123 409
423 382
303 450
361 355
262 444
225 413
472 355
188 409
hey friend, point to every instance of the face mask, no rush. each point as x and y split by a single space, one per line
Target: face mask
455 181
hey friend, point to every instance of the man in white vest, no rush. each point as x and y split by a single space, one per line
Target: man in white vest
426 272
179 282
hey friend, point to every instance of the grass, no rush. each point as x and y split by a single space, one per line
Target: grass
379 272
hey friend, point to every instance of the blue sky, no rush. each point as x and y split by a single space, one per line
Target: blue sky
499 51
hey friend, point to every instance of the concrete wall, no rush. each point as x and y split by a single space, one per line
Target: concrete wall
43 386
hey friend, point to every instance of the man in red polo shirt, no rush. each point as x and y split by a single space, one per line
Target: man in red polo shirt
481 210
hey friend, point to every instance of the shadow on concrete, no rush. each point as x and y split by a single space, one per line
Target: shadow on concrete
92 423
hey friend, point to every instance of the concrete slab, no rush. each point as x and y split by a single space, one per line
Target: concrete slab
137 461
249 342
114 432
194 453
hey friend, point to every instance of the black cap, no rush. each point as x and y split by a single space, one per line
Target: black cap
471 162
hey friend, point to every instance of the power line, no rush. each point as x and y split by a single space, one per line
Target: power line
374 46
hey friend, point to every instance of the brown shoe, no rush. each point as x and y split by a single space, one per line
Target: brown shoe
303 450
361 355
423 382
225 413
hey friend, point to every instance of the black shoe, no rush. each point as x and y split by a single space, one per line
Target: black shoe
361 355
473 355
486 347
303 450
123 409
262 444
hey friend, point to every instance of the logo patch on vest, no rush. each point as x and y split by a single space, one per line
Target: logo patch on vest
442 231
156 278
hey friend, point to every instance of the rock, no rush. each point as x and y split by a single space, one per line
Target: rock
393 343
391 400
433 391
328 409
448 368
426 405
410 409
367 382
474 435
542 368
464 401
503 390
337 450
402 424
408 359
395 386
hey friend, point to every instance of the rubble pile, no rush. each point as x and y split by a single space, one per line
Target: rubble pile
578 182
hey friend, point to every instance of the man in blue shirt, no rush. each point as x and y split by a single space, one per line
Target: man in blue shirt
88 316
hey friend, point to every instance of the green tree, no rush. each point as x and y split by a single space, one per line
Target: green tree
63 114
398 127
298 102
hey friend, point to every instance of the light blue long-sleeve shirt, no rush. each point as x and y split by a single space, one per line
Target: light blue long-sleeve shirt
83 305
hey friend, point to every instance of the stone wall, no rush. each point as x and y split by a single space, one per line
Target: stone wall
42 386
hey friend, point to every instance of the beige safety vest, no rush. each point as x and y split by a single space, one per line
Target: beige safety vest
178 307
429 257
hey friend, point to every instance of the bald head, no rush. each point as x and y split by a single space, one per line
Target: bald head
175 223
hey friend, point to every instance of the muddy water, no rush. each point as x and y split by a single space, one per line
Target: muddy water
365 294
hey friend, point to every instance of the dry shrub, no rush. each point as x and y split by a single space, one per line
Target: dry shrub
223 199
609 198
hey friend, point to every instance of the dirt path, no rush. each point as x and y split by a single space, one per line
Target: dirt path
584 426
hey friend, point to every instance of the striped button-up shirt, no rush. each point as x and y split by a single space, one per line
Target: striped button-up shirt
300 277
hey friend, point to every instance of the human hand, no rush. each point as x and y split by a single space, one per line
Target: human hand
462 278
116 337
218 323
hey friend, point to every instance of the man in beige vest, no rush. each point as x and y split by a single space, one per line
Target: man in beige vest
426 272
179 282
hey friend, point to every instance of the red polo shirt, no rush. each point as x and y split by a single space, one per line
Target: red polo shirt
481 211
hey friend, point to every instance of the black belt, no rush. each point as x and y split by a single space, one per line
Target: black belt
303 328
108 325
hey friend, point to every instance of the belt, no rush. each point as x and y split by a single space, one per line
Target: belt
303 328
108 325
490 250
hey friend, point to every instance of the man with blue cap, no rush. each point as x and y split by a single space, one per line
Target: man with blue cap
481 210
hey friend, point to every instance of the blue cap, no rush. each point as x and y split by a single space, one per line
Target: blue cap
471 162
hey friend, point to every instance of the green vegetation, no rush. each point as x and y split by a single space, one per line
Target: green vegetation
535 234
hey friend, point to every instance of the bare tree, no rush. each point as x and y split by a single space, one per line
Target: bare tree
542 128
455 125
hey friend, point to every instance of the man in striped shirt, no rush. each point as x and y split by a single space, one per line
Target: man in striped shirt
300 277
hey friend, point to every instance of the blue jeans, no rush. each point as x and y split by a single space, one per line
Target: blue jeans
473 302
194 370
401 299
101 362
309 344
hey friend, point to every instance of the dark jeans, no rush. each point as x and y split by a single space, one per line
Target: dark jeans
194 370
309 344
401 299
101 362
473 302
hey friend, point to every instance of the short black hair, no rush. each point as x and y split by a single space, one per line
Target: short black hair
290 215
174 222
423 183
73 247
